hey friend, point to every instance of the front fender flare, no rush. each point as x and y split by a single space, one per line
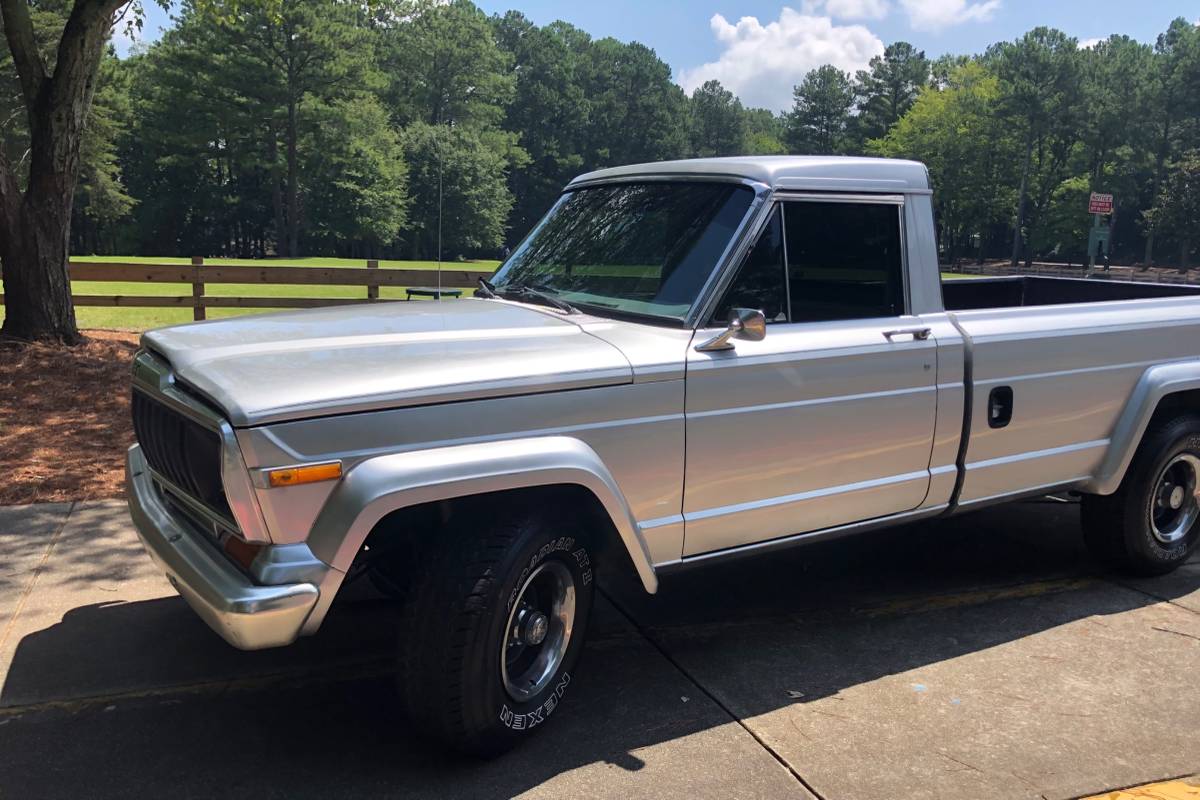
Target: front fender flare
376 487
1156 383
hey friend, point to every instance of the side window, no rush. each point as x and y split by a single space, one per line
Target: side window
759 282
843 260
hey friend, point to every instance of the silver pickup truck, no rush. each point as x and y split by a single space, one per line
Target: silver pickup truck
683 362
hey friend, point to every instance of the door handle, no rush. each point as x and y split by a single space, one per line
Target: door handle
919 334
1000 406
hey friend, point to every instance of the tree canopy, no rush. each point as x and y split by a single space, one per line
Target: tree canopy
821 121
318 127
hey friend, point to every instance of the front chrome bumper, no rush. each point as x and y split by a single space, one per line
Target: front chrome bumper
245 614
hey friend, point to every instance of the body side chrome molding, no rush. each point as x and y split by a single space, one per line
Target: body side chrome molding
799 497
866 526
1063 373
1034 455
811 401
497 438
795 540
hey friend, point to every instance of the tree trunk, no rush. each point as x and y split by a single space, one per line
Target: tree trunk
1160 161
1029 245
37 291
294 93
1023 198
35 226
276 194
35 234
293 192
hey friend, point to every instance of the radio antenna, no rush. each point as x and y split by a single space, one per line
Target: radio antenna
438 151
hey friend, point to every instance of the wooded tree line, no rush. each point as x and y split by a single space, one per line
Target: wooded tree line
318 127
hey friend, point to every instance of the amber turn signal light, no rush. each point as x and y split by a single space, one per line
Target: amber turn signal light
294 476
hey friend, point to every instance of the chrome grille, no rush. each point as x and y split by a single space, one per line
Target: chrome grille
181 451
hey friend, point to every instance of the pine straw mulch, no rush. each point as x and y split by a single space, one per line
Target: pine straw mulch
64 418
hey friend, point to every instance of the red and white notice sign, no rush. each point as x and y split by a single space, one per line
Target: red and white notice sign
1100 203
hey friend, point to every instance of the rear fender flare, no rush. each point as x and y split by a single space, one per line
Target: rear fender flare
1156 383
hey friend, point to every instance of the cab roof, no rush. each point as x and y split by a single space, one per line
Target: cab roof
823 173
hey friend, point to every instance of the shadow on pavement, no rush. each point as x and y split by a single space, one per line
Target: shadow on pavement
758 634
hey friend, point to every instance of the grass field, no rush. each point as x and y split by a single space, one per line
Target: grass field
143 318
137 319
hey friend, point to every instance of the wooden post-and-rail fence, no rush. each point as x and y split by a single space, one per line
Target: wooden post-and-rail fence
199 274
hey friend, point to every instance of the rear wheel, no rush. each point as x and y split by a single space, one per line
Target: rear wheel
1149 526
495 627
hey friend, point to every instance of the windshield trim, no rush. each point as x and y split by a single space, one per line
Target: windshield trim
608 312
689 320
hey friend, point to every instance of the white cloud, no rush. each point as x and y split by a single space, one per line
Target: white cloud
1088 44
857 9
761 63
932 15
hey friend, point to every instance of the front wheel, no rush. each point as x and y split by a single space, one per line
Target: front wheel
1149 525
495 628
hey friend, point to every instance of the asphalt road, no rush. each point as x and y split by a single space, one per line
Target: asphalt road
982 657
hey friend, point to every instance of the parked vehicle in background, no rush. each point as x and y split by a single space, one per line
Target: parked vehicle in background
683 362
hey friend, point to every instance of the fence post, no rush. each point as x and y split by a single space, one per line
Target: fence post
372 288
198 311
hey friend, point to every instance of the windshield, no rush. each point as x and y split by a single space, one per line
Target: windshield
639 248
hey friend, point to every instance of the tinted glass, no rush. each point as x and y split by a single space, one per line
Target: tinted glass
844 260
760 280
644 248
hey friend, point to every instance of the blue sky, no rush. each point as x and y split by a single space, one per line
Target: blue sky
759 48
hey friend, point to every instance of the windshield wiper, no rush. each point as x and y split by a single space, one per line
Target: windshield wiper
486 290
534 292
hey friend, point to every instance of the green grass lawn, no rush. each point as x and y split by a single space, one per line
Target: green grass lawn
138 319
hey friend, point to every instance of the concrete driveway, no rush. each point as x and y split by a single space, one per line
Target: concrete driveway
984 657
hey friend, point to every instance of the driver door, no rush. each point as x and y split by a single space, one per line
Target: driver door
828 420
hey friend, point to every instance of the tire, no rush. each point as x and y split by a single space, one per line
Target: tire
465 678
1149 525
388 581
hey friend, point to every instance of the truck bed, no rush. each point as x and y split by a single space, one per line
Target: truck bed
1030 290
1053 364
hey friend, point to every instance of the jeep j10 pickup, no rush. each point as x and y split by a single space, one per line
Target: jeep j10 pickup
682 362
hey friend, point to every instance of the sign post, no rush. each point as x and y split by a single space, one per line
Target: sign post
1099 205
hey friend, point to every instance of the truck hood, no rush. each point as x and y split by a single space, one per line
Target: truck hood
343 359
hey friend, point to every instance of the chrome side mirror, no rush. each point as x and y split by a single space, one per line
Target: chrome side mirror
744 323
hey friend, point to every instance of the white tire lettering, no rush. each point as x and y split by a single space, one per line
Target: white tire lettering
562 543
531 719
